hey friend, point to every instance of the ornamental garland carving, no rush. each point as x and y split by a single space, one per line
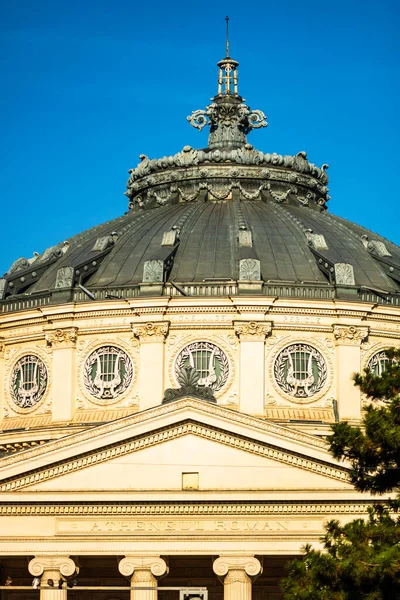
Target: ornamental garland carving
350 334
218 366
28 382
300 370
210 362
108 372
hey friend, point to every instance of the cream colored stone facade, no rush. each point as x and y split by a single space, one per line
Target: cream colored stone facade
83 476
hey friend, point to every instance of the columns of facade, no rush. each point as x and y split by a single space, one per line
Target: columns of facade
238 573
143 572
63 344
151 376
51 569
348 361
252 336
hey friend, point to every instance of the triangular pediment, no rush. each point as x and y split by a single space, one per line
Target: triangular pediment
151 451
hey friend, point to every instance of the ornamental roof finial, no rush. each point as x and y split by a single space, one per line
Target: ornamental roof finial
227 36
229 118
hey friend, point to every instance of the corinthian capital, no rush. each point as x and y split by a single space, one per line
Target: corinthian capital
250 565
155 564
152 331
56 564
350 334
252 330
62 337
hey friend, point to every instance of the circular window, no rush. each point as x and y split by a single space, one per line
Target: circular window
378 363
28 381
108 372
210 362
300 370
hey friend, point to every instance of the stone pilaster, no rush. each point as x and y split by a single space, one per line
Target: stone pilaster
151 376
238 573
348 340
143 572
52 569
252 336
2 375
63 345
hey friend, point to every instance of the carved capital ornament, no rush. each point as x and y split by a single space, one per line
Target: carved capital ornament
350 334
151 331
62 337
55 564
252 330
155 564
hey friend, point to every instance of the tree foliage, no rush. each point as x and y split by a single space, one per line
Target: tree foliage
361 559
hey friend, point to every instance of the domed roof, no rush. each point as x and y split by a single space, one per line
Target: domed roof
223 220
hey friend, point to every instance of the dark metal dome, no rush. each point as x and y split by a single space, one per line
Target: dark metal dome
224 220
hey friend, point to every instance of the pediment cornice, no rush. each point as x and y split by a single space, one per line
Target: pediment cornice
174 409
137 443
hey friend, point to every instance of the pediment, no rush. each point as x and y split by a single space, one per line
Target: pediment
151 450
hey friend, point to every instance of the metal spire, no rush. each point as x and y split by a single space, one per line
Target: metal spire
227 37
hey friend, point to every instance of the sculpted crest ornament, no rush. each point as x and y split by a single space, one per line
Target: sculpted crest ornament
300 370
28 381
210 362
108 372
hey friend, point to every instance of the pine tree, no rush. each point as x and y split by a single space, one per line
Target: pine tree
361 560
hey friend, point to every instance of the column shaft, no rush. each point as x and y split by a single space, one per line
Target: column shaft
144 578
237 585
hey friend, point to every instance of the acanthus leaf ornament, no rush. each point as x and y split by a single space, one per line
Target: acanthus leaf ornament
350 334
151 331
252 330
61 337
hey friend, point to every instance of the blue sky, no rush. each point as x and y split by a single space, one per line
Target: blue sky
88 86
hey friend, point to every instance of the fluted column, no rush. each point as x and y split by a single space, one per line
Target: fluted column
151 376
143 572
252 336
52 568
348 353
238 573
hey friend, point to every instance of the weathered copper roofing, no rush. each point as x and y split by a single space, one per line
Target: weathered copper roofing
224 220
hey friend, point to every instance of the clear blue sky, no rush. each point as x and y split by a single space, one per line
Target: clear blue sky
88 86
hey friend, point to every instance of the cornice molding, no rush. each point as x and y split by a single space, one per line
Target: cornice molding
186 508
